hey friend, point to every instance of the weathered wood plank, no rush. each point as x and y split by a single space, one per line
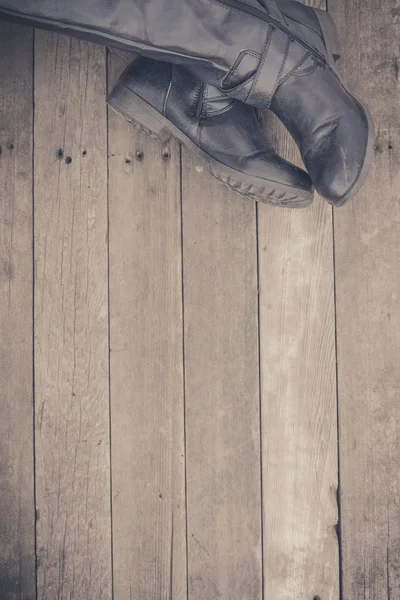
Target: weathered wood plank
222 389
71 320
298 403
298 386
148 462
17 510
367 249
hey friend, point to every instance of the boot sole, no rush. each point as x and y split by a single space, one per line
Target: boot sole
332 44
145 117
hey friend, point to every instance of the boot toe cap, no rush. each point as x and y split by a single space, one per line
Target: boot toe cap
338 162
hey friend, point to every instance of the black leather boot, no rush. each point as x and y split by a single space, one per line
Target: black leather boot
164 99
262 52
334 130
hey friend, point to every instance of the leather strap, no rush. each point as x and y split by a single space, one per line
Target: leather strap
270 68
281 56
274 10
215 102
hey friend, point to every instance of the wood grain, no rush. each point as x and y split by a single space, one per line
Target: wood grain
222 389
298 387
367 233
298 403
148 454
17 510
71 321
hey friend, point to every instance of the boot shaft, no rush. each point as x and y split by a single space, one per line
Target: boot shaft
245 47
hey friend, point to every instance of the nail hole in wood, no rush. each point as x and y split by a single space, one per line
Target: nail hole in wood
166 155
139 155
60 153
316 598
84 153
390 147
128 161
68 160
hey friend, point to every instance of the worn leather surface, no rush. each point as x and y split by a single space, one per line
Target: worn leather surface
186 31
225 129
209 36
303 21
262 52
329 127
151 89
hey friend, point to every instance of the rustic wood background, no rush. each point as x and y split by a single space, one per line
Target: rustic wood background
199 395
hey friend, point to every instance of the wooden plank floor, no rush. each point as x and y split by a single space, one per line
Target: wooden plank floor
199 396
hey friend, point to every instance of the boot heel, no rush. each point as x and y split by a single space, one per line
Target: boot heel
330 34
138 112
